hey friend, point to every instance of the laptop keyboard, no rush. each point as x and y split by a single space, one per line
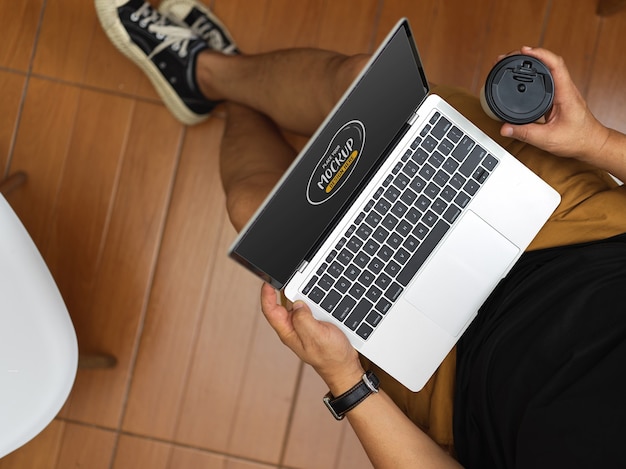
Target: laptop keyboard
438 175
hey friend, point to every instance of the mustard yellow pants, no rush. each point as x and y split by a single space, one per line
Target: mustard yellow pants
593 207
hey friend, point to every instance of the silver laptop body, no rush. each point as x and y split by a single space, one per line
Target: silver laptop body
398 218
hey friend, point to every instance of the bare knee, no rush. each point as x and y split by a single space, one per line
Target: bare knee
245 196
347 68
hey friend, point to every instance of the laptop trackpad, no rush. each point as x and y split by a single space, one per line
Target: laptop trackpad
461 274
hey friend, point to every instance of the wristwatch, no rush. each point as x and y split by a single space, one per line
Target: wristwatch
339 406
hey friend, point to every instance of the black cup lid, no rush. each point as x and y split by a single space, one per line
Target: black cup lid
519 89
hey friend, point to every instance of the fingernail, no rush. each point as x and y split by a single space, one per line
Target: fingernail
297 305
527 48
507 131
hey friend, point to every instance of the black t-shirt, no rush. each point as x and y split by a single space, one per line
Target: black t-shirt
541 372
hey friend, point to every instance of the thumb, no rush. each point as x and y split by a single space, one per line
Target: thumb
302 317
528 133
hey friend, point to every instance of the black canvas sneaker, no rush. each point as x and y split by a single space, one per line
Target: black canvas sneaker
196 16
166 52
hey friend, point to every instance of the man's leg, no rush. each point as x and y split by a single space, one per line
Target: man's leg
253 157
290 89
296 88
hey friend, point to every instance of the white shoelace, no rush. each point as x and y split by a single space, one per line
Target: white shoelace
170 35
211 33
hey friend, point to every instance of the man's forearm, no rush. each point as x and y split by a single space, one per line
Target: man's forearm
391 440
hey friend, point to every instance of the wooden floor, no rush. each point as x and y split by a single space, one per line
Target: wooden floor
126 207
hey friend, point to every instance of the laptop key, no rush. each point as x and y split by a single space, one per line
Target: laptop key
394 292
411 244
463 148
423 251
335 269
383 281
471 187
490 162
373 319
452 214
366 278
373 219
358 314
441 128
383 306
344 308
370 247
352 272
331 300
417 184
364 331
317 295
309 286
362 259
342 285
392 268
455 134
326 282
345 257
380 234
429 144
357 290
472 161
373 294
385 253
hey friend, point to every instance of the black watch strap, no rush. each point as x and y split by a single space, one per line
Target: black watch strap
341 405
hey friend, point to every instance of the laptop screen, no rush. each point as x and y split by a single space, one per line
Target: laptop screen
335 164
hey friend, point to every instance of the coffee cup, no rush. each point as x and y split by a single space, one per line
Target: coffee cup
519 89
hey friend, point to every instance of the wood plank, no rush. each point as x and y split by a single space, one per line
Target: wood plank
185 263
347 29
39 453
238 16
310 417
449 36
62 51
421 17
126 265
219 363
41 149
265 394
285 26
513 25
109 69
607 90
81 207
18 23
242 378
134 452
352 453
12 86
85 446
576 49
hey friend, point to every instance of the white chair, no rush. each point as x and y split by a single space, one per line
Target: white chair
38 346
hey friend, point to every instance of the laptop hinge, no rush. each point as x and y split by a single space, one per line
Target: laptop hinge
413 118
302 266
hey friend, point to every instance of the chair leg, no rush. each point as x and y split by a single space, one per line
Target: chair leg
96 360
12 182
608 7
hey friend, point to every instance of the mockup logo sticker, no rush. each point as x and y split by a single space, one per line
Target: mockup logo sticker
337 164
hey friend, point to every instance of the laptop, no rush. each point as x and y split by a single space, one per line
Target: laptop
397 219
